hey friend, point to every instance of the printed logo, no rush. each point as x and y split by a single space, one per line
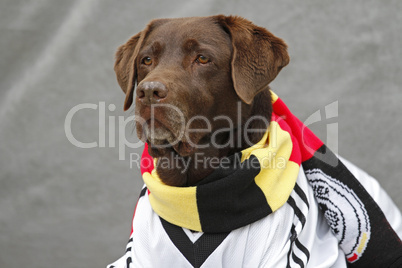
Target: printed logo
344 211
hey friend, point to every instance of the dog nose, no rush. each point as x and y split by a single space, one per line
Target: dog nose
151 91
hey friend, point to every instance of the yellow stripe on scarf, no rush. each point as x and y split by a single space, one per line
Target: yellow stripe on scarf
171 203
278 175
274 96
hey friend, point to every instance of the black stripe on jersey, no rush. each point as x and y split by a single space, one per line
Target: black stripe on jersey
196 253
297 260
301 194
297 210
143 191
128 262
302 249
295 242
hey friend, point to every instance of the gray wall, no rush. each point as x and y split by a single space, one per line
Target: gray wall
63 206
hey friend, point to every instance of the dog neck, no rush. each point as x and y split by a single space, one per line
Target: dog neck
176 170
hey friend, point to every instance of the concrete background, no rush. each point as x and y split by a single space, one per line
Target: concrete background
63 206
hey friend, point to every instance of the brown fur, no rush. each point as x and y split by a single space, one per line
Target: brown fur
244 59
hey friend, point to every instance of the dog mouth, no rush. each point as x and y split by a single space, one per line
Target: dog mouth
156 133
163 139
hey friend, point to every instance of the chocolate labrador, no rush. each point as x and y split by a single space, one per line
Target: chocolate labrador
199 82
189 71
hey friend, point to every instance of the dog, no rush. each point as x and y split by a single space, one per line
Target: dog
202 100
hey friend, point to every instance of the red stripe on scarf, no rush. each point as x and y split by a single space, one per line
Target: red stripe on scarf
295 156
308 142
147 162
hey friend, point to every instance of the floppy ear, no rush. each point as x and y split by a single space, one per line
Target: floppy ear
125 67
257 57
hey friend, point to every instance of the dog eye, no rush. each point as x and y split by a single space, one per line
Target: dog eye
147 61
202 59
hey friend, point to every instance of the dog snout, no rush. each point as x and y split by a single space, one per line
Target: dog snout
151 92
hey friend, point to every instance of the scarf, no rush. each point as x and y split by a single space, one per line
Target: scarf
257 181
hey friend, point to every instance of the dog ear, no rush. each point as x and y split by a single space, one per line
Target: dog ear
125 69
257 57
125 64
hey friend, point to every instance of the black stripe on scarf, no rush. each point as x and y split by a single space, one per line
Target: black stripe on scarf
242 203
384 248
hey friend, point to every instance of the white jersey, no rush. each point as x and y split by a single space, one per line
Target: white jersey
296 235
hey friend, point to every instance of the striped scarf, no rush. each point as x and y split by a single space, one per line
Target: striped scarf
259 180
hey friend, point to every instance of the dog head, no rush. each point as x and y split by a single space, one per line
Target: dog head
190 71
